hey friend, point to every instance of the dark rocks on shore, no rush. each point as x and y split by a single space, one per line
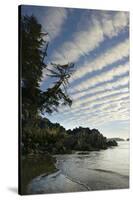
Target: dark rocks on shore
112 142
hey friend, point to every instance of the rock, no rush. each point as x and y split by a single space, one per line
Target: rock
111 142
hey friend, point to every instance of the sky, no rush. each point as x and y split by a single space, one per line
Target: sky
97 42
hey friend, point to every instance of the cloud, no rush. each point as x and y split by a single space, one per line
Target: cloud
99 88
115 23
109 94
89 101
118 52
121 82
102 77
99 99
84 41
101 107
53 20
108 110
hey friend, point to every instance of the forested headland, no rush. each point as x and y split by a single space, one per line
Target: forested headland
55 139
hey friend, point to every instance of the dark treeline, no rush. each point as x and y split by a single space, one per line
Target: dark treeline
55 139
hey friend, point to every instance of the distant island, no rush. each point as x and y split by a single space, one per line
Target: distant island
117 139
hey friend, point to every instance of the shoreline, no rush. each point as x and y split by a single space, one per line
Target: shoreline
70 175
78 172
88 179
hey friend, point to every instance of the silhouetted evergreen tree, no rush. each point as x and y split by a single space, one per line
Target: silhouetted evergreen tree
33 50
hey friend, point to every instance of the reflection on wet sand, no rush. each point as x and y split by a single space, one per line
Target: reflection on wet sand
96 171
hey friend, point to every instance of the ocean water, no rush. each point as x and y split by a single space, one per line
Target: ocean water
97 170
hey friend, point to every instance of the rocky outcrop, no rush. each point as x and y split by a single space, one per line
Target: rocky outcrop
111 142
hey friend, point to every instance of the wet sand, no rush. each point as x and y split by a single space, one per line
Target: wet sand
92 171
